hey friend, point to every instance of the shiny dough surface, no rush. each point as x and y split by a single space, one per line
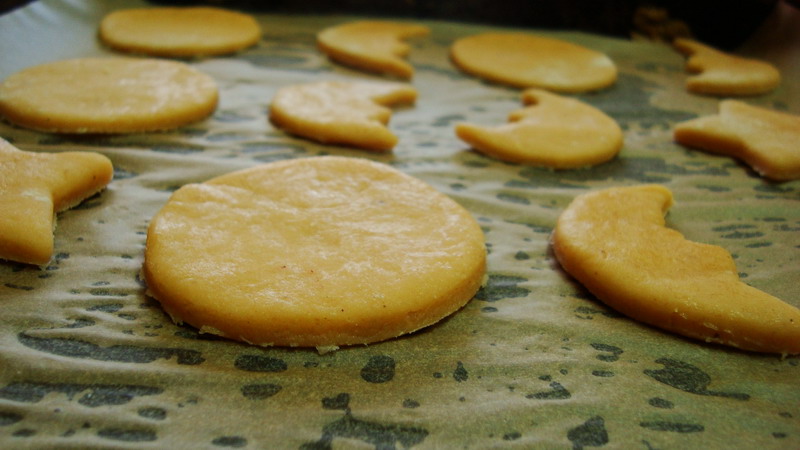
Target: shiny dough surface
316 252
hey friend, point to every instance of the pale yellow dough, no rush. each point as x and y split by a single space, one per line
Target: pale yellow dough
314 252
107 95
525 60
179 32
341 112
33 188
766 140
555 131
615 243
372 46
719 73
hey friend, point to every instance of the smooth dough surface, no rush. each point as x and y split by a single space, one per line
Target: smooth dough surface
33 188
554 131
107 95
372 46
615 243
352 113
526 60
179 32
766 140
313 252
719 73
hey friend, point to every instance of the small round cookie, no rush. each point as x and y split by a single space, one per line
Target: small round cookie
525 60
107 95
313 252
179 32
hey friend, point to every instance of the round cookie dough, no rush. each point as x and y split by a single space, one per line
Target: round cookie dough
313 252
107 95
179 32
525 60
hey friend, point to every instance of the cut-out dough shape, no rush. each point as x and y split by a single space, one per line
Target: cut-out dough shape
719 73
107 95
341 112
766 140
615 242
556 132
179 32
313 252
36 186
372 46
524 60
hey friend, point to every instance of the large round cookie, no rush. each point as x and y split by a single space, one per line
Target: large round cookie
107 95
179 32
314 252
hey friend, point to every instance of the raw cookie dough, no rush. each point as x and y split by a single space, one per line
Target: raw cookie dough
615 243
35 186
313 252
107 95
179 32
372 46
525 60
341 112
555 131
718 73
766 140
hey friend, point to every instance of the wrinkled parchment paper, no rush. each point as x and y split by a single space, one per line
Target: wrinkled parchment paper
534 361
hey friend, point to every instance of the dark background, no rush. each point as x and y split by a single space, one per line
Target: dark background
723 24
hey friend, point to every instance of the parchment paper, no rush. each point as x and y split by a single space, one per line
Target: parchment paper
87 360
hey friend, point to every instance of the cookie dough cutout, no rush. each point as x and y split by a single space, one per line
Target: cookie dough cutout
371 46
615 242
107 95
314 252
36 186
764 139
555 131
340 112
524 60
719 73
179 32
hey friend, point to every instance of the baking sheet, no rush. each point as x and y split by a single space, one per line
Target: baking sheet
534 361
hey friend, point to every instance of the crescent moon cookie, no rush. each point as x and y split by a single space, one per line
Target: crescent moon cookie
766 140
555 131
179 32
615 243
36 186
341 112
372 46
107 95
719 73
314 252
524 60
